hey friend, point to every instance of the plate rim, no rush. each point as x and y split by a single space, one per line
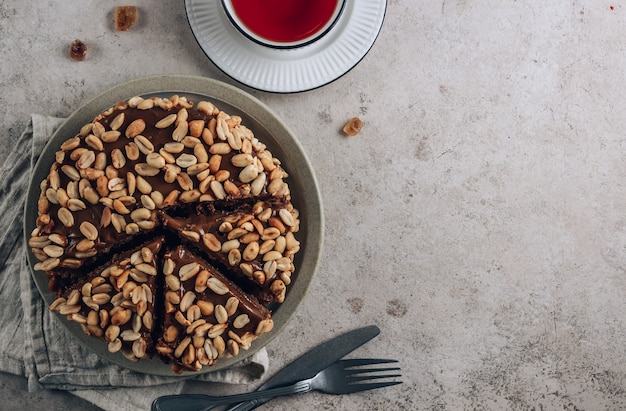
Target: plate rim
230 30
219 92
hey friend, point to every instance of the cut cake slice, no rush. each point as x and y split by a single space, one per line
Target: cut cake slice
206 316
255 241
116 302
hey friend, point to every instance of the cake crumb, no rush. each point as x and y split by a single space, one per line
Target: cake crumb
78 50
125 17
353 127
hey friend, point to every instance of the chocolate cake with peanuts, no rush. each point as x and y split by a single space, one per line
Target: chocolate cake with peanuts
117 301
256 242
179 172
206 315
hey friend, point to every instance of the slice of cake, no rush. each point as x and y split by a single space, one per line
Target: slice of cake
117 302
255 240
206 315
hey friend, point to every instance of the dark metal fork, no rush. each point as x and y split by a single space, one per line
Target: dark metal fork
342 377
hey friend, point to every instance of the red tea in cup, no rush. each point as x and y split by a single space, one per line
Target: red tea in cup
284 23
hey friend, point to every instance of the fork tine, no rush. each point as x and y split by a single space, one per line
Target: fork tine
352 380
354 371
353 374
352 388
365 361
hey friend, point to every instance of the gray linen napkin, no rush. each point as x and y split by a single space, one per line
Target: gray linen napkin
33 343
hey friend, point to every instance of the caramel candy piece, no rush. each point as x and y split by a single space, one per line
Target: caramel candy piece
125 17
78 50
353 127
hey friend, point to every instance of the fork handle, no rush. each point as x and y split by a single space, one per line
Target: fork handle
195 402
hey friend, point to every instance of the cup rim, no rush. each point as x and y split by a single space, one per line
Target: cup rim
238 24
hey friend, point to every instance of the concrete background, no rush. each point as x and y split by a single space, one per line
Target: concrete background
479 219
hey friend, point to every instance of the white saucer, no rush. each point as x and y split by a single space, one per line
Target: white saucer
286 70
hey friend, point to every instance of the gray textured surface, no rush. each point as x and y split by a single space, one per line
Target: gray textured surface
478 219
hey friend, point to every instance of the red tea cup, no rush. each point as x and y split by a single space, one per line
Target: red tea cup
283 23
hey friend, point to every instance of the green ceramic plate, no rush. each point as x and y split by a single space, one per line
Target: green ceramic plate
267 127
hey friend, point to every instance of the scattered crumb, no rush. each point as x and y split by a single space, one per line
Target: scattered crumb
397 308
355 304
353 127
125 17
78 50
